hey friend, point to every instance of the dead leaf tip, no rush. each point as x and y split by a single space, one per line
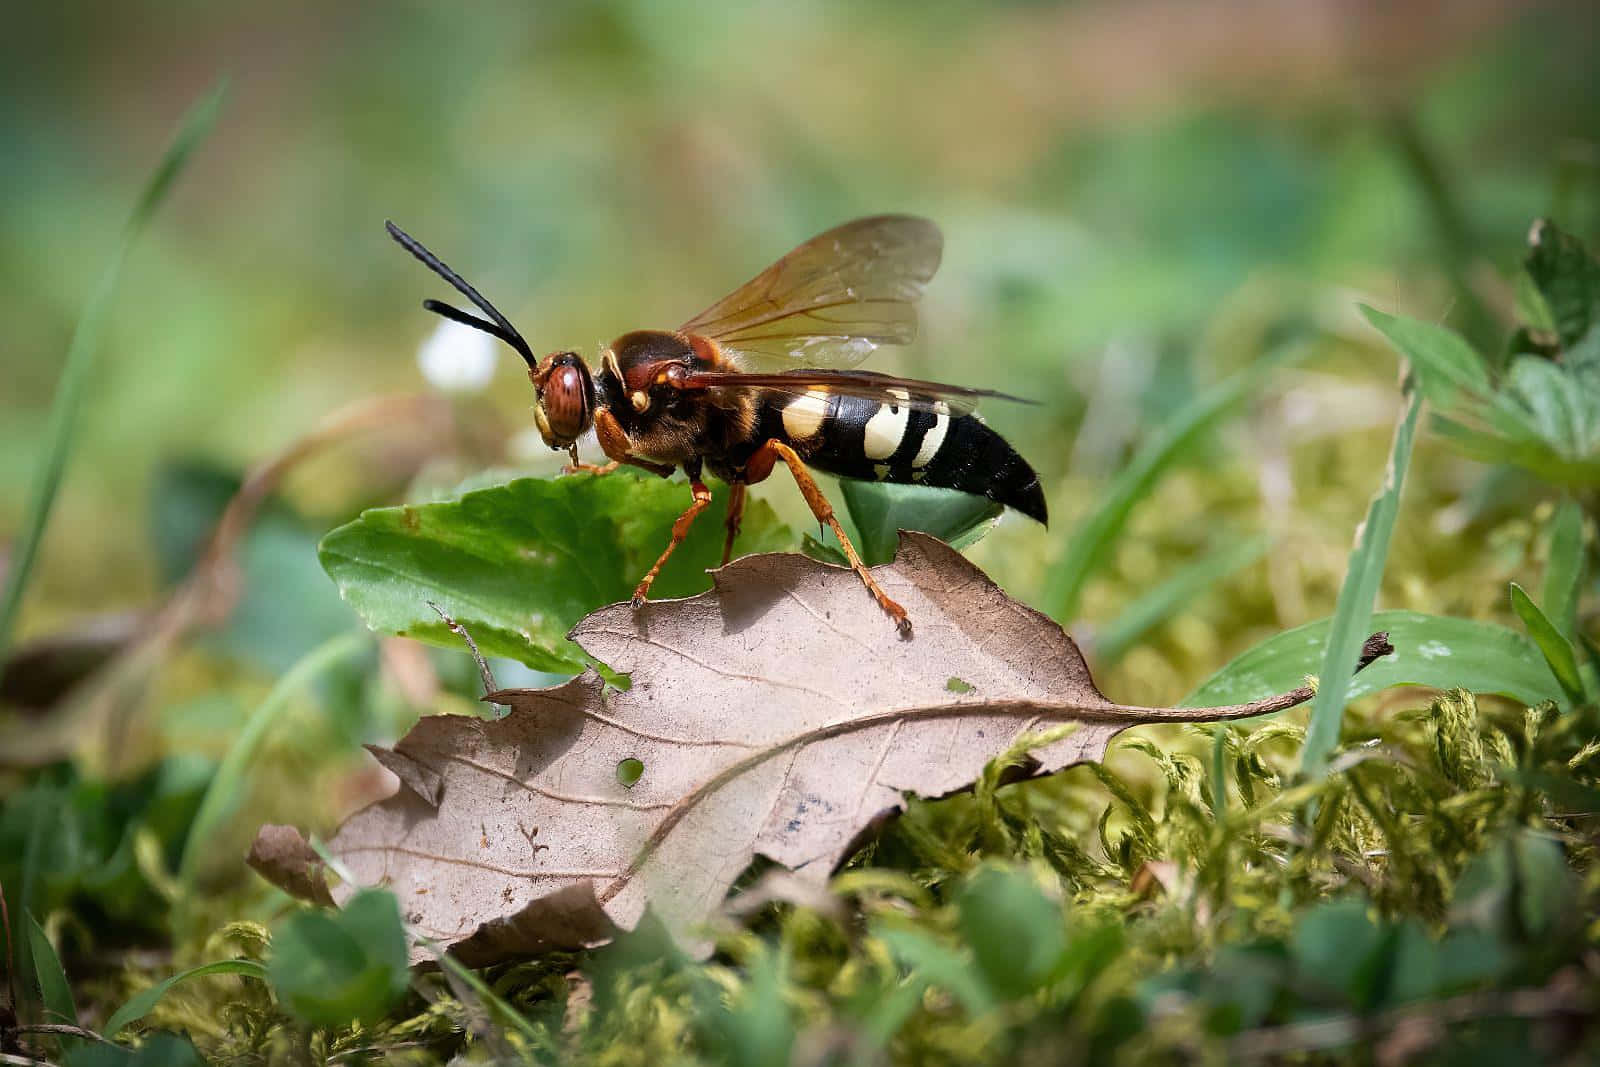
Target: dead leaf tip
1376 647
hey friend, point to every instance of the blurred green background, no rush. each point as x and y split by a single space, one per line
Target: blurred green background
1138 198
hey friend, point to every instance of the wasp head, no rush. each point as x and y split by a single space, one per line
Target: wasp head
564 408
564 398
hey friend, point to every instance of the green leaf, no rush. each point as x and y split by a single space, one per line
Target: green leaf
141 1004
79 365
1164 601
1090 543
881 510
1556 649
933 963
1532 308
755 1027
1244 983
1016 932
1431 650
1563 569
1337 947
1553 402
823 551
1519 888
1445 362
1353 612
332 968
1568 278
1530 453
157 1050
519 564
227 788
51 978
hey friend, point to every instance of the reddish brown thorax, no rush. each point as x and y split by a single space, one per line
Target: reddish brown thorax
564 407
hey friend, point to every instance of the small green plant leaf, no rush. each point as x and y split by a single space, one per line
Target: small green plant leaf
1567 277
881 510
931 962
1524 449
1353 612
330 968
1088 545
1555 648
1563 569
1532 308
157 1050
756 1026
1551 401
55 992
1431 650
823 551
519 564
1016 933
1337 946
141 1004
1447 364
1519 888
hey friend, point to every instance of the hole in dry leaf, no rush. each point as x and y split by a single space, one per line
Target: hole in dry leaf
956 685
628 771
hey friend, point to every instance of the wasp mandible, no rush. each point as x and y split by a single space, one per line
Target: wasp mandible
765 375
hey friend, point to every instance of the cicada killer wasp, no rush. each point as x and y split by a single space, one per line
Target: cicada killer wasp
765 375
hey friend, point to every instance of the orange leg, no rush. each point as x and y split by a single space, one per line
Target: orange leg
577 466
680 530
735 517
760 465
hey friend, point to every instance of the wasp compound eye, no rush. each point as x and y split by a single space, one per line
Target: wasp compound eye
564 402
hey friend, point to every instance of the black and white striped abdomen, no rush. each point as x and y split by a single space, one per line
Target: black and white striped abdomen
859 437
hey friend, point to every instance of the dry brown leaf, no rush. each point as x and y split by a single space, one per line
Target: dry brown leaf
776 715
295 865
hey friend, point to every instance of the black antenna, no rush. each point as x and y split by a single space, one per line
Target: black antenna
499 326
467 318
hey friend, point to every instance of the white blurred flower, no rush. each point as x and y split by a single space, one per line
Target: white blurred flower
457 359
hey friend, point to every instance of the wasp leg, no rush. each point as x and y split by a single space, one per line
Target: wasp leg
680 530
760 465
577 466
735 518
614 443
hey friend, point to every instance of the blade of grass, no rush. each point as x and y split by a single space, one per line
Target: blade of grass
226 790
21 945
1162 602
1555 648
1353 612
1219 774
1090 543
141 1004
79 365
1563 569
493 1003
54 989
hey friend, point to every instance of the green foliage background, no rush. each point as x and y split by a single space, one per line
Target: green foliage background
1160 220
